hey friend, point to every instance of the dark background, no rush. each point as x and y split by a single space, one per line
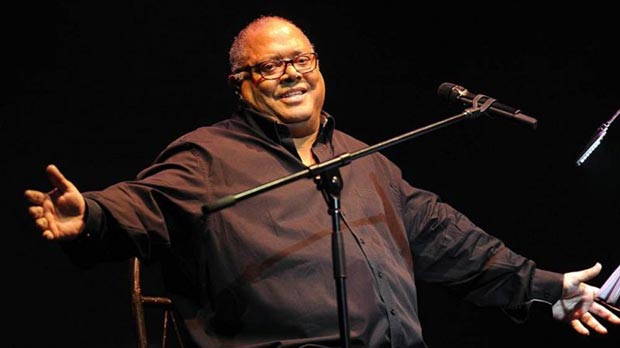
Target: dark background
98 88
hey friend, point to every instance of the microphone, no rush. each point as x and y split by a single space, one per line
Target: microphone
486 104
596 139
593 144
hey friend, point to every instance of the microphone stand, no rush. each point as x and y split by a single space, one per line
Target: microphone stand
328 179
330 182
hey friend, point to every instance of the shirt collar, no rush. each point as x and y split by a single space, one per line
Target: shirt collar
279 133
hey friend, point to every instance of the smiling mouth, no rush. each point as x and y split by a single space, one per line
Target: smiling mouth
292 93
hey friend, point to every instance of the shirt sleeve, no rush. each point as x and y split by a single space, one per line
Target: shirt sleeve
136 217
90 246
452 251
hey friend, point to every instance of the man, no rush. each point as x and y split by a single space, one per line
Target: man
259 273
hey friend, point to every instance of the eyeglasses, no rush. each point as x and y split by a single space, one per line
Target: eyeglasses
274 68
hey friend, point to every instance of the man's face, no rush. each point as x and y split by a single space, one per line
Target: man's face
294 99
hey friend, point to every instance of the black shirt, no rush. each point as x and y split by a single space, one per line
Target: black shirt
259 273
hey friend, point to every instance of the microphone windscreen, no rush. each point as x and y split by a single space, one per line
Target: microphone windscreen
446 91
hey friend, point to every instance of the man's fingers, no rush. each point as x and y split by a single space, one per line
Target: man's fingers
35 197
591 321
35 211
47 234
604 313
578 326
42 223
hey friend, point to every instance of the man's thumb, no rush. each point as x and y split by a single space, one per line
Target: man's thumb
590 273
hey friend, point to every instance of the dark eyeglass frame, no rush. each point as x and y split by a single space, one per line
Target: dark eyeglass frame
285 62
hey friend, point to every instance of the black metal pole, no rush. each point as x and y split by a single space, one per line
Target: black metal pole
336 162
330 182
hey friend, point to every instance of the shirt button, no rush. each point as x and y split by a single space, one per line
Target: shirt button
393 311
362 241
380 274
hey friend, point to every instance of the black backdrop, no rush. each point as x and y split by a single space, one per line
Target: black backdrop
98 88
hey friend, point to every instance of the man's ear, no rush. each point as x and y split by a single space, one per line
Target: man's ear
235 80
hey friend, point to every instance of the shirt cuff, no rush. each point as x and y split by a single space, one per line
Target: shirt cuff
93 222
547 286
82 250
